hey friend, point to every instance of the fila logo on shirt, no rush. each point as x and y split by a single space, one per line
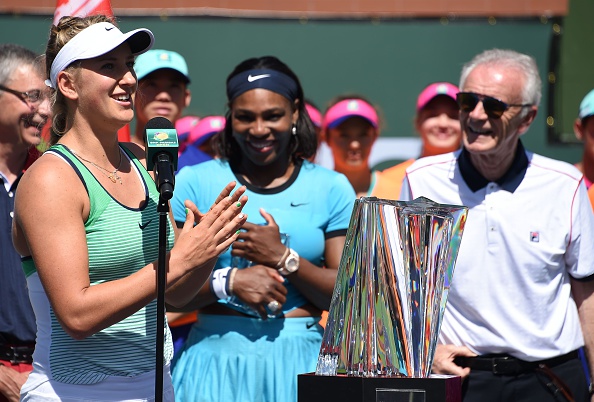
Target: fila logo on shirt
534 237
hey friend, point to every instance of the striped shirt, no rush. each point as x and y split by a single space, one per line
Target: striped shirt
121 240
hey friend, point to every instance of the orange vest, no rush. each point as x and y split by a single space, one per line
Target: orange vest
389 182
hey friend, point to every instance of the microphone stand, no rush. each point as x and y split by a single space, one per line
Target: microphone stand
165 181
163 209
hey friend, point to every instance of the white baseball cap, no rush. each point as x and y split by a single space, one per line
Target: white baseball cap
97 40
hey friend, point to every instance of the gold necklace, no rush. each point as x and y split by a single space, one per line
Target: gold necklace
113 176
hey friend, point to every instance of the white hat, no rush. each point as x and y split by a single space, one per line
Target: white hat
97 40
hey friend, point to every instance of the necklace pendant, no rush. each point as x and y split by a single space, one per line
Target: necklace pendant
115 176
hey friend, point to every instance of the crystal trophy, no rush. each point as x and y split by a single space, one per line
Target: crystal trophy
391 289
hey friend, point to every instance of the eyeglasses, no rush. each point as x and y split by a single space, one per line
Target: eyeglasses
30 97
494 108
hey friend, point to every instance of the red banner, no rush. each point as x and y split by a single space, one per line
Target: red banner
81 8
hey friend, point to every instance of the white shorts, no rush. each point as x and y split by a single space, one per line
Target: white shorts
130 389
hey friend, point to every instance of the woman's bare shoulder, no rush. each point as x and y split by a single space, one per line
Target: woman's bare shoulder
50 178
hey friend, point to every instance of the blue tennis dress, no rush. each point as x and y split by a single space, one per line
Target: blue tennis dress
232 358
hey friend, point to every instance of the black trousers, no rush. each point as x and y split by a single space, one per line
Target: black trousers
484 386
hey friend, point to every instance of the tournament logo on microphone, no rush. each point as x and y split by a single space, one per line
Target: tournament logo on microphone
159 140
161 136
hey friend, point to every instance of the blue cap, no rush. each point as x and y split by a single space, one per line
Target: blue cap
587 106
157 59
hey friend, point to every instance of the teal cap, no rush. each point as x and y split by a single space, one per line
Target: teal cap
157 59
587 106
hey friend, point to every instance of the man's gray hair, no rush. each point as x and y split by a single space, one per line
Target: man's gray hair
13 56
510 58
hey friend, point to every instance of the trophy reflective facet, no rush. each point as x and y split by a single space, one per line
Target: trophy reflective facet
391 289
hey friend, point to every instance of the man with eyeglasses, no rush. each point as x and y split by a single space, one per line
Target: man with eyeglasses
24 111
521 303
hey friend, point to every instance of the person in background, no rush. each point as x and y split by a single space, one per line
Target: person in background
183 126
437 123
322 157
91 263
584 131
323 153
180 322
198 147
316 118
351 126
25 110
200 141
258 326
521 303
163 91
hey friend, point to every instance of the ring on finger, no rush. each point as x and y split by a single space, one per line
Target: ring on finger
273 306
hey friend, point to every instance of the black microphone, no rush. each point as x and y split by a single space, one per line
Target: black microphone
161 144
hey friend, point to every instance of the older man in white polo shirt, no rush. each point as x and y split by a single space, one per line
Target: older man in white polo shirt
521 303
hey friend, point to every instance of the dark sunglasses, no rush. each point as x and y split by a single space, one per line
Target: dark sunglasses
30 97
494 108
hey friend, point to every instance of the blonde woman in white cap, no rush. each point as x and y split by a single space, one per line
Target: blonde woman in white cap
90 262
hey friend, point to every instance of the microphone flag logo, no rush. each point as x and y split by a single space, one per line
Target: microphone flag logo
161 136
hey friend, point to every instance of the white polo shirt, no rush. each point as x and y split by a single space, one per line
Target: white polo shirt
524 236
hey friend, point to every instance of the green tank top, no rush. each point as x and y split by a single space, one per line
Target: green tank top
121 240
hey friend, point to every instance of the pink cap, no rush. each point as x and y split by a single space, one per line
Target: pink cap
350 108
186 124
206 128
436 89
314 115
183 127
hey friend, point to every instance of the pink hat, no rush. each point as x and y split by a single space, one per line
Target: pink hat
186 124
183 127
350 108
314 115
206 128
436 89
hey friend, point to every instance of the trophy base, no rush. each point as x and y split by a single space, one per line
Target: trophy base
316 388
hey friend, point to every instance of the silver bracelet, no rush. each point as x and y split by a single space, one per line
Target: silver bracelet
283 258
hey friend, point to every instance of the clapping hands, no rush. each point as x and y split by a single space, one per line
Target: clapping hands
204 236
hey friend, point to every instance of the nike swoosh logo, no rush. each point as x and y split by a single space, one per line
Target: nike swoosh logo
252 78
310 324
108 29
293 204
142 227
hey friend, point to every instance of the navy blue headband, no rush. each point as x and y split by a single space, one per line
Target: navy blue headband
272 80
